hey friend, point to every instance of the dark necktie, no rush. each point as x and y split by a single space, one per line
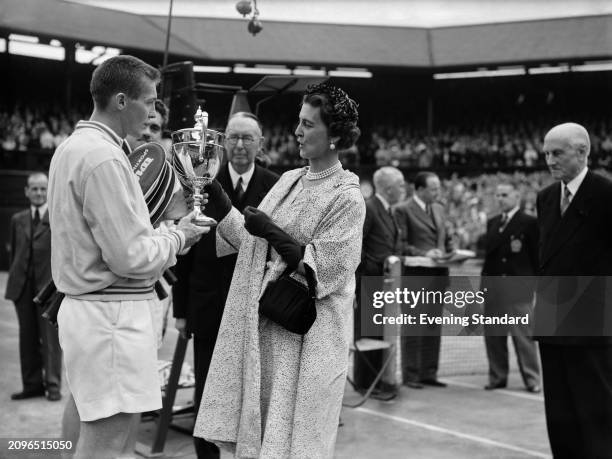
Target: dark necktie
238 191
429 211
391 216
36 219
504 222
566 199
126 148
35 222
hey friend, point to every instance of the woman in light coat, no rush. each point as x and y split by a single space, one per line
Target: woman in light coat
271 393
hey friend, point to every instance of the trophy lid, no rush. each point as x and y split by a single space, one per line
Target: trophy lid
201 119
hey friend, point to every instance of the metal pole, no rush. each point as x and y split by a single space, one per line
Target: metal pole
168 34
392 333
168 28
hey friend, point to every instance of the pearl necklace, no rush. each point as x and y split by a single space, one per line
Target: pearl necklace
323 174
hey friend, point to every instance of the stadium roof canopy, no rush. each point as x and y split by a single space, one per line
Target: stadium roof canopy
218 40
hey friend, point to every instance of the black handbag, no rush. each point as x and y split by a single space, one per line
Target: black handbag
289 303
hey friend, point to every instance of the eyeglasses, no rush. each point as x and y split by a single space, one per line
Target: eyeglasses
247 140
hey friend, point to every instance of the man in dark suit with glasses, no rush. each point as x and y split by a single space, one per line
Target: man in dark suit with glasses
204 279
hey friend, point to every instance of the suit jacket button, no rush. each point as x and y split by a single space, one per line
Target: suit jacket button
503 260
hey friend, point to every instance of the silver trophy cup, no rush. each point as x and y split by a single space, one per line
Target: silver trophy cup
196 157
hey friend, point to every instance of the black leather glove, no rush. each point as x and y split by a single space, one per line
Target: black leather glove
219 203
259 224
256 222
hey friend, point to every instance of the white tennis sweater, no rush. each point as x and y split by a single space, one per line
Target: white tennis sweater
103 246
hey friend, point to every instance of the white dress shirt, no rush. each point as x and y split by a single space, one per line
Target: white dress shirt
246 177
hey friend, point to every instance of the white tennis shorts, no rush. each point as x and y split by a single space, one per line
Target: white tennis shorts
110 354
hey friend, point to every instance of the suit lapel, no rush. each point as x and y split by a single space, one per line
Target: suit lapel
512 224
256 190
225 180
26 224
384 216
422 215
438 226
494 238
498 238
564 227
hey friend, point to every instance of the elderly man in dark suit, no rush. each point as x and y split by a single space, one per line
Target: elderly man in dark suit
421 220
511 250
203 279
381 238
29 272
573 311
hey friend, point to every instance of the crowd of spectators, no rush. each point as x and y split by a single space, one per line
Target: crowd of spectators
472 146
469 200
478 146
35 127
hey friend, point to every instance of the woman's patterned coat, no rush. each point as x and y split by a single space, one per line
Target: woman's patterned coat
271 393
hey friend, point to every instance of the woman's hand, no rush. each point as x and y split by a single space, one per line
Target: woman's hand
256 222
220 201
259 224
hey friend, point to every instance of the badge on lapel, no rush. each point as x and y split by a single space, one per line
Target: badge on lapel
515 245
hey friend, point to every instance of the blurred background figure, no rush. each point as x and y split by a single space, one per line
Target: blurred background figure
381 235
29 272
155 130
422 225
381 238
511 250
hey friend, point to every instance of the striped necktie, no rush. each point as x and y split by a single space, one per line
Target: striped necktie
566 199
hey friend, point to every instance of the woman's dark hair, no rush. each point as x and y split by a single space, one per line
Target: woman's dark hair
338 112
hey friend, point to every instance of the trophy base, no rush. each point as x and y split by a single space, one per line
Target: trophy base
203 220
